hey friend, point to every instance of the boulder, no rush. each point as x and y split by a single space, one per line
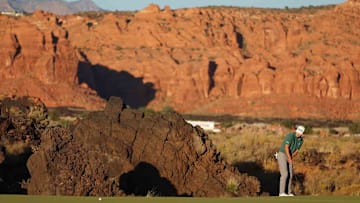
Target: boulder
22 121
122 151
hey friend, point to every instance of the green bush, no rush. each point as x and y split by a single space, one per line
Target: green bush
232 185
83 114
65 123
54 115
147 111
288 124
333 131
227 124
308 130
355 127
167 109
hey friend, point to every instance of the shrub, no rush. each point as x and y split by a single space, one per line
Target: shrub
54 115
232 185
312 157
65 123
84 114
288 123
152 193
333 131
227 124
167 109
147 111
355 127
308 130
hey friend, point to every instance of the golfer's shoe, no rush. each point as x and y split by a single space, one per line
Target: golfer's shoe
291 194
283 195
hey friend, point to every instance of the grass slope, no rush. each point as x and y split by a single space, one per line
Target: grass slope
58 199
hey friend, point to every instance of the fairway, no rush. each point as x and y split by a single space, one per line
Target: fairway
299 199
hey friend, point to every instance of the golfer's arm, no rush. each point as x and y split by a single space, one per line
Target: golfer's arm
287 152
295 153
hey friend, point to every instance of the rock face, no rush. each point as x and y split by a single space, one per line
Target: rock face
37 59
252 62
121 151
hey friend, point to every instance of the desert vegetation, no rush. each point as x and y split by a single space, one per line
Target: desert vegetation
328 164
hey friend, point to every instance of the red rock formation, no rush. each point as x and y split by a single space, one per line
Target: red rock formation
37 59
273 55
215 60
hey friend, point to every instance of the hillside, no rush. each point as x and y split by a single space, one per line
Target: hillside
216 60
60 7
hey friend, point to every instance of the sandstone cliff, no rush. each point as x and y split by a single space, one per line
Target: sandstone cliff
241 61
38 59
254 62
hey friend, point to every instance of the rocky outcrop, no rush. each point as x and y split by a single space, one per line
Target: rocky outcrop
37 59
22 121
121 151
251 62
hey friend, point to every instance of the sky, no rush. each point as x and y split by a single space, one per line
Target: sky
140 4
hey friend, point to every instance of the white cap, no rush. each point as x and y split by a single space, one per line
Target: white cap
300 129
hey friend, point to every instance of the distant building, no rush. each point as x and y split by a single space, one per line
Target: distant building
206 125
12 13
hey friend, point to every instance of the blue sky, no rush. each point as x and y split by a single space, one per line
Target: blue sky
139 4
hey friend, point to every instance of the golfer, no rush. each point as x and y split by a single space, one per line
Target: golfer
288 150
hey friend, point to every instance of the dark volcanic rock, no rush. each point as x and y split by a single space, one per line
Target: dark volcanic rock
22 121
121 151
63 167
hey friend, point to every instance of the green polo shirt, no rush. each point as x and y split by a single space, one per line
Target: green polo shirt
293 142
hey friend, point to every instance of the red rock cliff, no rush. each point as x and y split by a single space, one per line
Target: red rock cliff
257 62
37 59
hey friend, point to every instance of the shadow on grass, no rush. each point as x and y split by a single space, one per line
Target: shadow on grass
145 180
269 180
13 171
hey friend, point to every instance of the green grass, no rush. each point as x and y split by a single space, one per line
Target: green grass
298 199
